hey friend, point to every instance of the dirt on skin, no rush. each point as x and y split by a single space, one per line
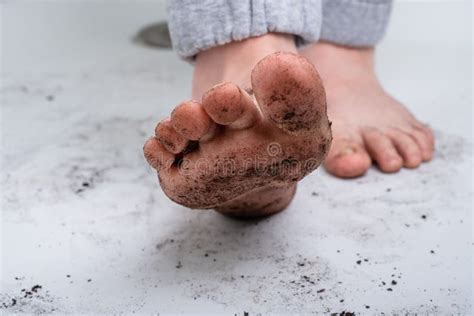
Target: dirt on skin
251 171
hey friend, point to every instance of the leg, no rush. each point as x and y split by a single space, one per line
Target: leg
257 124
368 124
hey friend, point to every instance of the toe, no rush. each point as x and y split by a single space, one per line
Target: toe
429 135
156 155
169 138
425 140
191 121
406 147
290 92
347 158
382 150
227 104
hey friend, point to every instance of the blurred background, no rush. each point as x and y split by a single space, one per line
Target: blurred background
84 219
425 38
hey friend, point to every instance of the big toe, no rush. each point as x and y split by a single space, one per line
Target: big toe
347 158
290 92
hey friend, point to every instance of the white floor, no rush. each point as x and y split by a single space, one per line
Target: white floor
84 218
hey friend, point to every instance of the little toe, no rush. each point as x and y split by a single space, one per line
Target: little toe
406 147
191 121
169 137
156 155
347 159
227 104
382 150
429 135
425 141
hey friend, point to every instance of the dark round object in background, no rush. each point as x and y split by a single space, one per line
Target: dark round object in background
154 35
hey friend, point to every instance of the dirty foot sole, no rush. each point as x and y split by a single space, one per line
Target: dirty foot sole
242 152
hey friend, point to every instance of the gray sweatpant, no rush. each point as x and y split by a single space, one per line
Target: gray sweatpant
197 25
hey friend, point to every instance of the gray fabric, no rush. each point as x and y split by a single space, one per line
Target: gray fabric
197 25
355 22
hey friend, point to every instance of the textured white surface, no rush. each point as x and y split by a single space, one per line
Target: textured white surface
78 99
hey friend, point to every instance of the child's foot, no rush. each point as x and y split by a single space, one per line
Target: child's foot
368 124
240 152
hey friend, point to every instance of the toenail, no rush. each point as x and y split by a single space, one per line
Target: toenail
394 160
347 151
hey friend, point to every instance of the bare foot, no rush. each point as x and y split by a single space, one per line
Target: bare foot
242 152
368 124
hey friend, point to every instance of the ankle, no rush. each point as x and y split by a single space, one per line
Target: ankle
342 65
235 61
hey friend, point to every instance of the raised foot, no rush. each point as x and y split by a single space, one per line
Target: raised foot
242 153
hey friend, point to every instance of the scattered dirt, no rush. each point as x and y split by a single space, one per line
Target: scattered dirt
32 300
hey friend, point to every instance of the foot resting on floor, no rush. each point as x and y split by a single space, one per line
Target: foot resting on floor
369 125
